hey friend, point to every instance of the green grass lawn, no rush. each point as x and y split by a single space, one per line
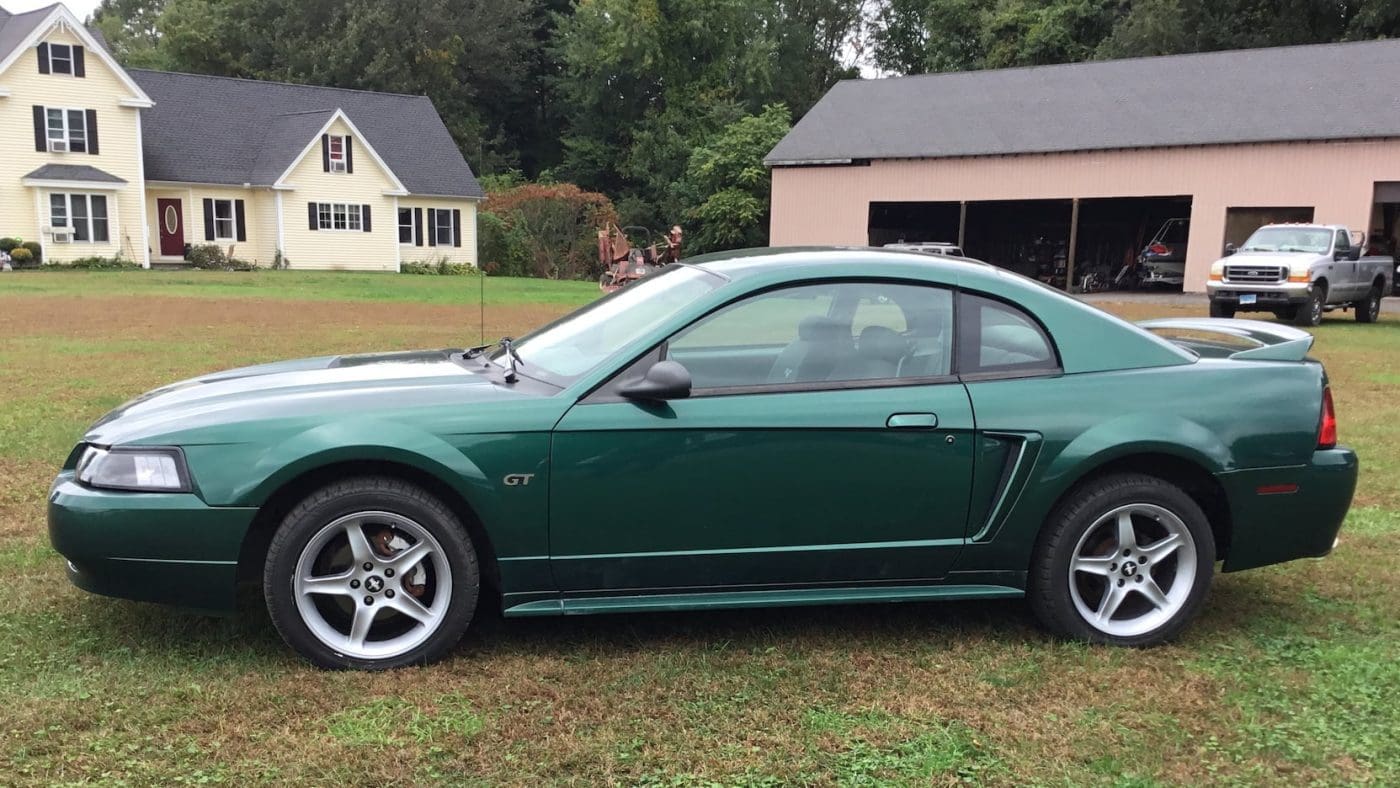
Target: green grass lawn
1290 677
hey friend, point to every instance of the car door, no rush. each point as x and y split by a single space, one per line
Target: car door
825 442
1344 269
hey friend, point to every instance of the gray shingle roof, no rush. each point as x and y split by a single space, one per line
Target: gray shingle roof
73 172
1319 92
14 27
206 129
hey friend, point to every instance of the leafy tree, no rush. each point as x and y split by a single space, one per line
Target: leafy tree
555 224
729 185
131 30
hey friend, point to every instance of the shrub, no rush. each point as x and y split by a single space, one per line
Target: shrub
117 263
20 257
34 249
501 246
437 266
557 226
6 244
208 257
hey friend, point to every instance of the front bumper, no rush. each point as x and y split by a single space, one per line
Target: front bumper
154 547
1270 527
1266 296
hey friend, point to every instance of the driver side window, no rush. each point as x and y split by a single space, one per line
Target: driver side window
1343 241
815 334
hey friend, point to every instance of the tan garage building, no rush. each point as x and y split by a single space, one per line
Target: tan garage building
1062 171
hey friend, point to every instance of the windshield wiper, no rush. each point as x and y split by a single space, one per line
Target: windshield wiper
512 357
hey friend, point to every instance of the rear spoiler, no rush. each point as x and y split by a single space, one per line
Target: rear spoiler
1276 342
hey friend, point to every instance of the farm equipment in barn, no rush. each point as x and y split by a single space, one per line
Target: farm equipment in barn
630 253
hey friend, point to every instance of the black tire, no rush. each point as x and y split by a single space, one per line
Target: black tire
371 494
1221 309
1310 313
1049 591
1287 314
1368 310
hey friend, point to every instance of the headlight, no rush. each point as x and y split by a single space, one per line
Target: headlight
139 469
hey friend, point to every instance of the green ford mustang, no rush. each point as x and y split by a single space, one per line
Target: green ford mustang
778 427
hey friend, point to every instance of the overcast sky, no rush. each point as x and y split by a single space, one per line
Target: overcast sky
81 8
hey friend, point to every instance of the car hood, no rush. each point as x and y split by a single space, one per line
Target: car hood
304 387
1282 259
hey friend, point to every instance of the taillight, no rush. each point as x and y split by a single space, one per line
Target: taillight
1327 431
1158 249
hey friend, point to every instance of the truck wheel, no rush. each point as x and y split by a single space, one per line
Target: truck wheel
1287 314
1221 309
1310 313
1369 310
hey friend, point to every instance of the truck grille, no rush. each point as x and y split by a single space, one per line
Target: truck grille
1255 273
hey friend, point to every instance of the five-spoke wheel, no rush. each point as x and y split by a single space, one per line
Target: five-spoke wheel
371 573
1126 559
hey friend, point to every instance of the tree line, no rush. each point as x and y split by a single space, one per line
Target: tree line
668 106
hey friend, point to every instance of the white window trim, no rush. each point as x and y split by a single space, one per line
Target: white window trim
325 217
71 60
68 218
67 130
438 215
338 164
232 220
412 227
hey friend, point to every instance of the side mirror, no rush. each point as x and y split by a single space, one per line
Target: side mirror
1353 253
665 380
1229 249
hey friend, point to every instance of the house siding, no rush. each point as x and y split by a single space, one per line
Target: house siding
466 253
24 210
260 220
831 204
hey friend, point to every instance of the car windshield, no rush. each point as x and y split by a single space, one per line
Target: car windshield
575 343
1289 239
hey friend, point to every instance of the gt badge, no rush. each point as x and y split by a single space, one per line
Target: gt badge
518 479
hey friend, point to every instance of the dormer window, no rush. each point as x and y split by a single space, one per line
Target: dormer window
61 59
337 153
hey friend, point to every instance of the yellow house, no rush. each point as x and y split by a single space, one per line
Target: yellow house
96 160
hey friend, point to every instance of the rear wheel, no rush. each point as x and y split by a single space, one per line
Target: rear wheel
1310 313
1221 309
1369 310
1126 560
371 573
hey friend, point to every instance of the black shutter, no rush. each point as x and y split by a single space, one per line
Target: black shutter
208 219
238 218
417 226
456 227
92 131
349 157
79 70
364 218
325 153
41 139
432 227
311 213
43 58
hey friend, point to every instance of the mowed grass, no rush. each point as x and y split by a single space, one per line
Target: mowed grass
1290 676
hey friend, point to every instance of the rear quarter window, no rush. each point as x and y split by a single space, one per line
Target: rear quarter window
996 338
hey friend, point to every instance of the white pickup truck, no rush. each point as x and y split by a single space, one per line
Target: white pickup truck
1299 271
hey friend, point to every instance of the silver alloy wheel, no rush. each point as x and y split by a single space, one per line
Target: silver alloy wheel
1373 305
373 595
1132 570
1315 306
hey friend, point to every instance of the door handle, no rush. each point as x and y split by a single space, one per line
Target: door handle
912 421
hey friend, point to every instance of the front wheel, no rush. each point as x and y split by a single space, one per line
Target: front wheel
1310 312
1221 309
1126 560
1369 310
371 573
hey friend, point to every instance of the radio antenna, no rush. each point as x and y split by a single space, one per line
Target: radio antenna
481 301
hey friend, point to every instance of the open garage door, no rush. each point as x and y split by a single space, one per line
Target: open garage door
913 222
1240 223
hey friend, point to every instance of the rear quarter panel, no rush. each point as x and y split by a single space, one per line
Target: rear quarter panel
1224 416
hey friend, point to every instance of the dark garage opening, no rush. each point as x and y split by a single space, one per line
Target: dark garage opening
1240 223
913 222
1031 237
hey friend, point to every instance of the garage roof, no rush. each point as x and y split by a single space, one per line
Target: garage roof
1318 92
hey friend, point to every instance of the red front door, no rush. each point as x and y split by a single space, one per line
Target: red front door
172 228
